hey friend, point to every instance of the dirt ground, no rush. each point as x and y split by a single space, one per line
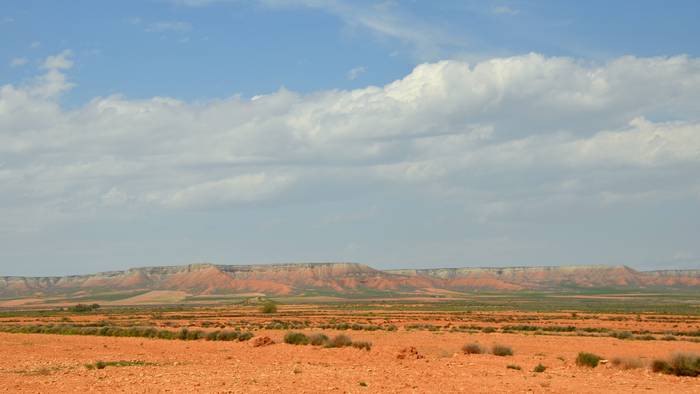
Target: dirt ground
56 363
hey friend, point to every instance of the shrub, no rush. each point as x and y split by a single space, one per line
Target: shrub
472 348
362 345
587 360
211 336
627 363
193 335
646 337
668 338
318 339
685 364
296 338
244 336
660 366
227 335
82 308
621 334
340 341
488 330
269 307
539 368
105 364
500 350
514 366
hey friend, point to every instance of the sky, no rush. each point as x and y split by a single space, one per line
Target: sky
399 134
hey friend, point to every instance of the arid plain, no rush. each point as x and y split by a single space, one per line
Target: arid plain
414 348
352 329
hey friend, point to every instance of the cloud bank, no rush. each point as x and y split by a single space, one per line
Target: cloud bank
502 137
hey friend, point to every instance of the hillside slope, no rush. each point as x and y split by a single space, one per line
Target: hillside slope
344 278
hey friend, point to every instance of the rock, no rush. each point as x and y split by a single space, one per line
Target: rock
263 341
409 352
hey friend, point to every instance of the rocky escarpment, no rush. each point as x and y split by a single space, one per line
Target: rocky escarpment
343 278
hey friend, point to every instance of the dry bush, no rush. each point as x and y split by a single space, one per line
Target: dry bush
681 364
501 350
627 362
318 339
587 360
339 341
472 348
296 338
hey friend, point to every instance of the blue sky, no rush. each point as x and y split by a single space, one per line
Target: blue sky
221 48
394 133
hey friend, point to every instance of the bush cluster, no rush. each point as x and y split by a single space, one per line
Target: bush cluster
587 360
681 364
472 348
142 332
298 338
105 364
500 350
228 335
82 308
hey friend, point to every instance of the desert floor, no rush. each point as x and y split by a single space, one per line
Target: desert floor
56 363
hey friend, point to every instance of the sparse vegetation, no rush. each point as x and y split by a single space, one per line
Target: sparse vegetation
83 308
587 360
627 362
339 341
184 334
318 339
105 364
362 345
269 307
472 348
681 364
501 350
296 338
539 368
514 366
621 334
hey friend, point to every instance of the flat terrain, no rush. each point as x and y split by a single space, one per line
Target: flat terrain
50 363
437 332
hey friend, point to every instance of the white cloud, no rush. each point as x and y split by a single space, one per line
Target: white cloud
169 26
354 73
18 61
504 10
470 133
386 20
242 188
62 61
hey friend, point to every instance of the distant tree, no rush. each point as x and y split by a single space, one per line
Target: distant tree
269 307
82 308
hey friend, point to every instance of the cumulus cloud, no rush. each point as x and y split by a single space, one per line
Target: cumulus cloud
354 73
491 135
62 61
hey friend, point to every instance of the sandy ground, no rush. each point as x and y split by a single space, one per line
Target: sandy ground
53 363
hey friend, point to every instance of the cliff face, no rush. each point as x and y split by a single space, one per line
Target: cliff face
281 279
531 278
343 278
